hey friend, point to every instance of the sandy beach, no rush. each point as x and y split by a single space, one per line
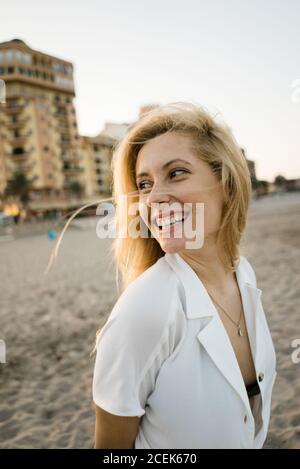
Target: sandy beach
48 323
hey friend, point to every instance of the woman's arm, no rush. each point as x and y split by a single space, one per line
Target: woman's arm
114 431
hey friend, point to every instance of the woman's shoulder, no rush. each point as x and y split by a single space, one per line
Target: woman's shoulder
142 331
158 278
149 301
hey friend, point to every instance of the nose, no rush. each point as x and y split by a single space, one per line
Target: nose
157 194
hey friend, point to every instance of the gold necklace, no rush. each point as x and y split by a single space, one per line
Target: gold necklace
240 333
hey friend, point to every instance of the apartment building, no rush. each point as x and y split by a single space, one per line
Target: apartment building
38 125
97 155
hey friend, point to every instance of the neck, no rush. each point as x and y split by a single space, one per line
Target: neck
209 268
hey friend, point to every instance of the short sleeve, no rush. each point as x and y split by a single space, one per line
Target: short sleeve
131 348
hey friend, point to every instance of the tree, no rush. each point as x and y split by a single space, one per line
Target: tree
19 185
75 188
262 188
280 180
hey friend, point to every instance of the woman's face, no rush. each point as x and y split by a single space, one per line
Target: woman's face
171 180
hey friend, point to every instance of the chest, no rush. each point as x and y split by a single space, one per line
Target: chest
236 329
192 401
198 398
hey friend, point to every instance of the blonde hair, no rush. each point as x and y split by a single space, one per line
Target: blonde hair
215 144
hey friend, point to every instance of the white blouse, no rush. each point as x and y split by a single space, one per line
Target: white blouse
164 354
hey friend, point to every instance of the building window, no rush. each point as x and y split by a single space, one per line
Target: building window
55 67
69 70
18 151
23 58
27 59
9 55
40 105
13 103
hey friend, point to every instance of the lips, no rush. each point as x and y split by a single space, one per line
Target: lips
168 219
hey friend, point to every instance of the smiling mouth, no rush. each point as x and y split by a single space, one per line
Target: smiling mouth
169 221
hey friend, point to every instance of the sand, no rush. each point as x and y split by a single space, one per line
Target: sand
49 323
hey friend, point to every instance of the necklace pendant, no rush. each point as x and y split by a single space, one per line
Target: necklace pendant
240 332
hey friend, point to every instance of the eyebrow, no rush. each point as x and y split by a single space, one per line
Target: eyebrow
164 166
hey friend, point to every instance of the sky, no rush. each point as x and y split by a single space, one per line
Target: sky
240 59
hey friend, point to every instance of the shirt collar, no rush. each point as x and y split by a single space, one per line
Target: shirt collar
197 301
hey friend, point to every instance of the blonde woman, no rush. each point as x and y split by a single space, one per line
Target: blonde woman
186 358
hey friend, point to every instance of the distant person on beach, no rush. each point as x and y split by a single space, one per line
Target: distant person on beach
185 358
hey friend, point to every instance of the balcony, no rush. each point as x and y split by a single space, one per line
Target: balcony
16 141
62 126
35 76
59 114
65 143
24 166
61 120
72 169
18 123
70 157
19 140
14 108
19 154
64 135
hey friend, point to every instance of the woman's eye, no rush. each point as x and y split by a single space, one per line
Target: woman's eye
176 170
143 185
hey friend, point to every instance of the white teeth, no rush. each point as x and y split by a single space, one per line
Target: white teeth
169 220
